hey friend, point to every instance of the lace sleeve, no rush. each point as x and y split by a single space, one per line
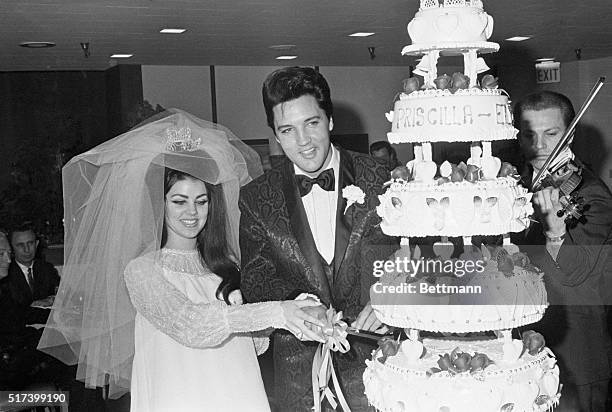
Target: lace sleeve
191 324
261 339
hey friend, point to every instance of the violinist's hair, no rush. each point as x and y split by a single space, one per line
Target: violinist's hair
544 100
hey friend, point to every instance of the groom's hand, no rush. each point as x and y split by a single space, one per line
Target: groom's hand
318 312
368 321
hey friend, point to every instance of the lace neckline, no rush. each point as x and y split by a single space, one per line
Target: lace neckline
184 252
182 261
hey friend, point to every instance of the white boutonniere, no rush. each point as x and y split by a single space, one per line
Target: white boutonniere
352 194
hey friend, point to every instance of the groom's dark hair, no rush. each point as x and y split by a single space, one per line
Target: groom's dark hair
290 83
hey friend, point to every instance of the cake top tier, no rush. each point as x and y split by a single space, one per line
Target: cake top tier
453 26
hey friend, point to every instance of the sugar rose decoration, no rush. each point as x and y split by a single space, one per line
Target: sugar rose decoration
353 194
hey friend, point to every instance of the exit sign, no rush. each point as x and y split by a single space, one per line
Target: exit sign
548 72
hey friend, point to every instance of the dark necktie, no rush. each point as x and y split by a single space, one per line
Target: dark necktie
325 180
30 279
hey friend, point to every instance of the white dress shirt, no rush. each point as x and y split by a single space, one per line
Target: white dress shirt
320 206
24 270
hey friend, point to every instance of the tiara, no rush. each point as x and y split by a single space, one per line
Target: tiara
180 140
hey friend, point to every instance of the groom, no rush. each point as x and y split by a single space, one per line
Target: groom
299 234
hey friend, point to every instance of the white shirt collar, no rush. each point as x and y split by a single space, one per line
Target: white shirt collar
24 268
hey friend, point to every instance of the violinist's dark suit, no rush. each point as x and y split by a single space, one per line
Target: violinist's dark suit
575 325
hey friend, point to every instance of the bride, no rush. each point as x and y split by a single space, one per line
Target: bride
145 302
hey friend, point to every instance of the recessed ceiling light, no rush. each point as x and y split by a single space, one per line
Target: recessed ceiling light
361 34
286 57
518 38
173 31
282 47
37 44
545 59
121 56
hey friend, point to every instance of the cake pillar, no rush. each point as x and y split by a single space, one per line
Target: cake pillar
405 247
469 66
428 68
413 334
425 170
504 334
475 155
490 163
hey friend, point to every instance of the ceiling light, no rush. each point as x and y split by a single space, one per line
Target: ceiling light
518 38
361 34
282 47
173 31
121 56
545 59
286 57
37 44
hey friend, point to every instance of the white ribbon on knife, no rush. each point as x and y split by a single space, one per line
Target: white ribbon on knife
323 366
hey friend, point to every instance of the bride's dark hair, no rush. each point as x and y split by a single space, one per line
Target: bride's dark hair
212 240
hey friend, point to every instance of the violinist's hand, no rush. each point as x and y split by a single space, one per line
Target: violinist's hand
546 204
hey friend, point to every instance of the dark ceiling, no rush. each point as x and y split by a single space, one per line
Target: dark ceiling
240 32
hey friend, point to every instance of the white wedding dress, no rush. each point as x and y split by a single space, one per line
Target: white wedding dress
192 351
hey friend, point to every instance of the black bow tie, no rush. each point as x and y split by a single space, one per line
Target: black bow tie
325 180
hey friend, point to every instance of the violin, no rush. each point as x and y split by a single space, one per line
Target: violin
567 179
560 170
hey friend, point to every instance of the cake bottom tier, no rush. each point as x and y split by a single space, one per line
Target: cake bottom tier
402 384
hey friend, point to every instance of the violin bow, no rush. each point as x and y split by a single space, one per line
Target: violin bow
569 132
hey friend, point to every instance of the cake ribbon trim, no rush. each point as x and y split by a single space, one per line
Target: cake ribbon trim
322 364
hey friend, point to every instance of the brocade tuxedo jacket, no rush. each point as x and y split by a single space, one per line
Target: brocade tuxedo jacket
280 260
574 325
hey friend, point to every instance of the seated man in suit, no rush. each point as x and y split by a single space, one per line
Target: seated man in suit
20 363
14 361
29 279
11 319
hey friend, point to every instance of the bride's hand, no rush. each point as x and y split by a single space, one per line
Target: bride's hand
235 297
296 317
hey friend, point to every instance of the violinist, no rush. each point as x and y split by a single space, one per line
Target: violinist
571 251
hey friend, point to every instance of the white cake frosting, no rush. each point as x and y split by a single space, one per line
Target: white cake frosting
450 24
504 301
441 116
401 384
486 207
479 197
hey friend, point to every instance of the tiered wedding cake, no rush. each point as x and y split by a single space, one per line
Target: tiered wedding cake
480 196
